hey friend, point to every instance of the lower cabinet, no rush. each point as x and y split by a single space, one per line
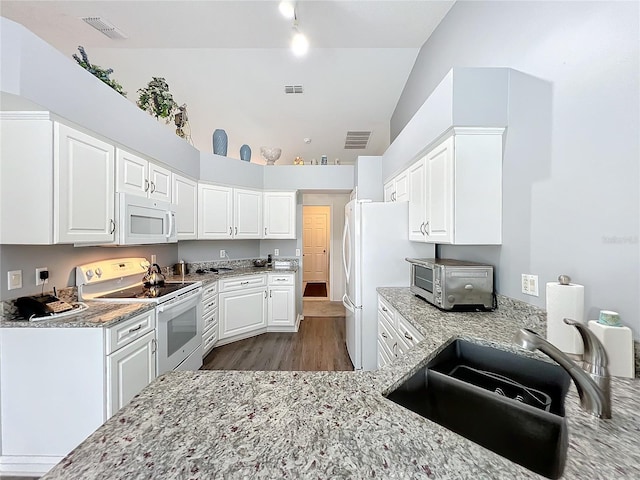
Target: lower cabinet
242 312
65 385
282 303
396 335
210 329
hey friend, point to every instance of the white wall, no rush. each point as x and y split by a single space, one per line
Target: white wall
571 203
337 203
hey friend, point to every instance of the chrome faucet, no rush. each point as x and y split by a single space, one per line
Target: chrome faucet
593 385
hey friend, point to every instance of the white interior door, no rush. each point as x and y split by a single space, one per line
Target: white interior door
315 235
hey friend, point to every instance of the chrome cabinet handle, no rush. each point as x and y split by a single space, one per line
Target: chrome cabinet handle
384 335
146 185
230 230
265 231
422 225
270 294
244 283
153 187
236 230
426 226
112 223
407 336
154 345
384 309
394 348
265 294
135 329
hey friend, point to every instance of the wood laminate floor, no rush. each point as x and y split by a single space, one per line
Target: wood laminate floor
317 346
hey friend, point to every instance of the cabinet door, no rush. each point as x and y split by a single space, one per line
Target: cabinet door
185 197
242 312
279 215
159 183
439 193
281 307
84 194
402 187
131 173
129 370
389 190
247 207
215 208
417 200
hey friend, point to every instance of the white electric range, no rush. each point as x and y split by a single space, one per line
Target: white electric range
178 307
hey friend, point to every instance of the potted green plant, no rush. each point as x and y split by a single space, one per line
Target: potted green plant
99 72
156 99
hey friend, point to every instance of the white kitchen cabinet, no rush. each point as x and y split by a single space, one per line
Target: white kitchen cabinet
129 370
242 304
396 335
66 384
138 176
225 213
184 195
279 214
281 303
210 329
397 189
455 192
83 186
247 213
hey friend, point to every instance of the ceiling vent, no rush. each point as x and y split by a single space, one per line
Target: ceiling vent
293 89
356 140
105 27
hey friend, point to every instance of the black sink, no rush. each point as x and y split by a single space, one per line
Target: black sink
511 404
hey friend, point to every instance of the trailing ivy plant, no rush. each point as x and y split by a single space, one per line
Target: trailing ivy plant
156 99
98 71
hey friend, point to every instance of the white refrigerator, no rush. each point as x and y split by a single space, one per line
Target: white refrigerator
375 243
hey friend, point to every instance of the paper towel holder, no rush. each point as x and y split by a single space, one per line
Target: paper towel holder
564 279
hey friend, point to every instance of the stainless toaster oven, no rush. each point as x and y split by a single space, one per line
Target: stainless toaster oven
453 284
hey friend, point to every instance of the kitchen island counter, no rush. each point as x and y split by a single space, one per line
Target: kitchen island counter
228 424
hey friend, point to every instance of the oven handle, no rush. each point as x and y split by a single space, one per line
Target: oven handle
191 297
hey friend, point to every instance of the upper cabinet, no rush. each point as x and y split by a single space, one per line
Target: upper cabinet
247 213
83 186
279 215
225 212
138 176
455 190
397 189
185 197
57 183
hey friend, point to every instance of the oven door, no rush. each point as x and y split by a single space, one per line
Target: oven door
179 330
145 221
422 281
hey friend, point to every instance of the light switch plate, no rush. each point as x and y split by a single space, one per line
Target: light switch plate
276 251
14 279
297 252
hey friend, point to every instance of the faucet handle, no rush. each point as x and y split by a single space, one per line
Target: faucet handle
594 358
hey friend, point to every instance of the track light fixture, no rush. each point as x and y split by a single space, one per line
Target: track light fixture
287 9
299 42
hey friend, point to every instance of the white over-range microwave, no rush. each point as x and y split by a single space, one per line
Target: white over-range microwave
144 221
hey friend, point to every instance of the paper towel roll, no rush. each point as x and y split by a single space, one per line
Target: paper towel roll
565 301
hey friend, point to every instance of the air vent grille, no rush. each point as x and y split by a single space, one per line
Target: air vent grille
105 27
356 140
289 89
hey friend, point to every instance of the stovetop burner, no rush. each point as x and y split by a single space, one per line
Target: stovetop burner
140 291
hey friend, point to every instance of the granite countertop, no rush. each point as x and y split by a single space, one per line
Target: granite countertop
228 424
106 314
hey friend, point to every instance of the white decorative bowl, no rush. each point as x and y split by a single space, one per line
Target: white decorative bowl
270 154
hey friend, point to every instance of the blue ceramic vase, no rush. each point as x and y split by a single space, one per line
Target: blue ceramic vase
220 142
245 153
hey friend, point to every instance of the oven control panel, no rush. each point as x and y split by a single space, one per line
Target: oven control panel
104 270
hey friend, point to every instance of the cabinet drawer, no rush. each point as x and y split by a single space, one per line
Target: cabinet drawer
209 305
384 357
209 291
126 332
210 319
407 333
386 314
386 336
209 339
275 279
241 283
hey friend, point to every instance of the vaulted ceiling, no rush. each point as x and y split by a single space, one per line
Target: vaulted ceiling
229 61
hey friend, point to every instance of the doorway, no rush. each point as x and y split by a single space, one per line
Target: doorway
316 232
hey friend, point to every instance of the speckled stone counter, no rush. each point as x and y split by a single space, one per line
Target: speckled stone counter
216 424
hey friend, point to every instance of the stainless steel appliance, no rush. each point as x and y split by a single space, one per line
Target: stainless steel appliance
145 221
178 307
453 284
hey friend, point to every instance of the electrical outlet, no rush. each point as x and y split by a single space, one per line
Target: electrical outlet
276 251
40 281
14 279
530 284
297 252
223 253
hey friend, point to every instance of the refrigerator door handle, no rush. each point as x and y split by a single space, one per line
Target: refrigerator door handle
346 233
347 304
